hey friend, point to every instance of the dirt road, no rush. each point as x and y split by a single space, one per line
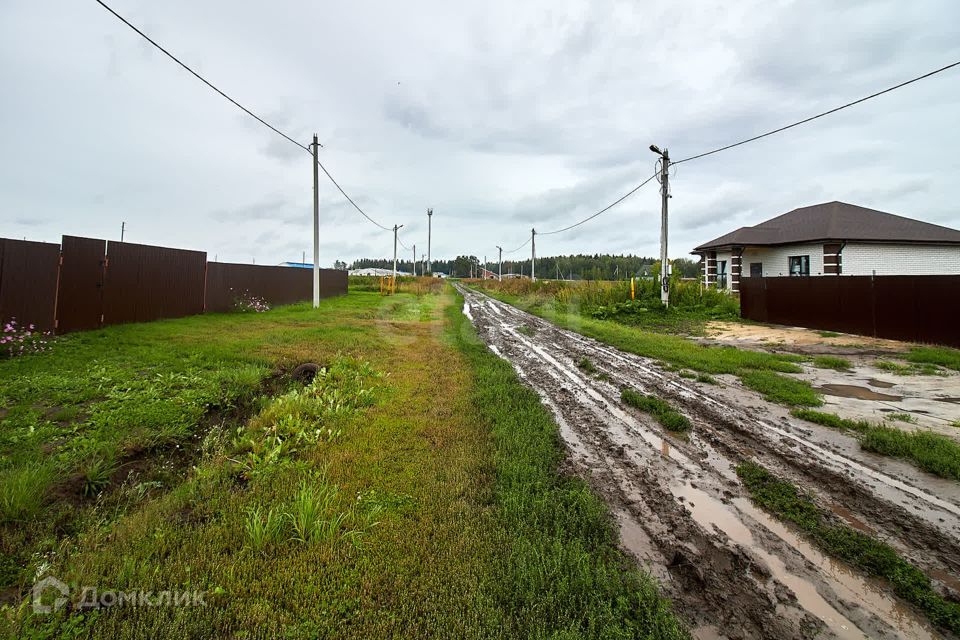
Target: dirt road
732 570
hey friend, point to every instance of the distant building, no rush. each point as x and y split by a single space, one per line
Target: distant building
375 271
830 239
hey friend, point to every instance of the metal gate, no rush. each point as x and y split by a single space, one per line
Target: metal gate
80 293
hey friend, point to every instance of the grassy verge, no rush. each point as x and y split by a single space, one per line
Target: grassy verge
929 451
873 556
356 507
563 574
670 418
940 356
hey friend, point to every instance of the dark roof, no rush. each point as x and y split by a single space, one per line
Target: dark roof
836 221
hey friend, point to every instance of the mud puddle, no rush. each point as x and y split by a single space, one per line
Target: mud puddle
854 391
731 569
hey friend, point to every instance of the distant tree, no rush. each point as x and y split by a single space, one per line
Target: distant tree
340 265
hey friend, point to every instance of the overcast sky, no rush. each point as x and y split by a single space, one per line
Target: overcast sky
502 116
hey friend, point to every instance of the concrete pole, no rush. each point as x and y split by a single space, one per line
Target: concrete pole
664 259
429 239
414 263
500 264
316 224
395 227
533 255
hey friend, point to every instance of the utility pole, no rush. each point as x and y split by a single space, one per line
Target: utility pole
533 255
316 224
665 195
429 234
500 264
483 274
123 228
395 228
414 263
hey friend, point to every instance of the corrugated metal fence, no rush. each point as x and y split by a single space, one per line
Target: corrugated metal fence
913 308
86 283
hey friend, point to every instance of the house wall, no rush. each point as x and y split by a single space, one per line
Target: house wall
896 260
776 259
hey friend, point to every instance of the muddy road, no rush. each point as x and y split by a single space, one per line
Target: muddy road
732 570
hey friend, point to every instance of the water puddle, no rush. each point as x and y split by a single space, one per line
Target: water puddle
880 384
853 391
712 514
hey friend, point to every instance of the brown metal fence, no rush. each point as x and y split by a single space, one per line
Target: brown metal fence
276 285
912 308
28 282
86 284
148 283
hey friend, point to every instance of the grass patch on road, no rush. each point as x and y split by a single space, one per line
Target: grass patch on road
932 452
563 575
781 389
877 558
831 362
940 356
670 418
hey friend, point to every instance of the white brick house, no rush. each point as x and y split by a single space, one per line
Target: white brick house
830 239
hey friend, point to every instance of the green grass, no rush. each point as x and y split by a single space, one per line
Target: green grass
939 356
912 369
781 389
585 365
706 379
873 556
670 418
929 451
831 362
559 549
828 334
901 417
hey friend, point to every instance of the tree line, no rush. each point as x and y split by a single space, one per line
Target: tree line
571 267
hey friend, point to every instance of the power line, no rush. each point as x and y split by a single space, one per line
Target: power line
521 246
604 210
349 199
820 115
201 78
241 107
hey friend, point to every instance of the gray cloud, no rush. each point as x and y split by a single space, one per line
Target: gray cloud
500 115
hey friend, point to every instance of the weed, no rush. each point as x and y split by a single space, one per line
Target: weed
22 491
876 557
779 388
263 527
828 334
831 362
689 375
585 365
526 330
666 415
902 417
912 369
955 423
97 474
308 510
706 378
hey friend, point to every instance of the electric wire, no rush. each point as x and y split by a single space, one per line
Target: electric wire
820 115
604 210
239 106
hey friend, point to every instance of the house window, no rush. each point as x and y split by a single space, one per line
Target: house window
721 274
799 265
756 269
